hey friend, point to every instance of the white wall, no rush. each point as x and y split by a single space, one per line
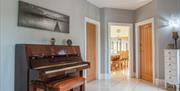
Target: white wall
12 34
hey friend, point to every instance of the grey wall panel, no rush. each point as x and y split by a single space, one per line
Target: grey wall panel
109 15
102 11
145 12
118 15
165 10
1 43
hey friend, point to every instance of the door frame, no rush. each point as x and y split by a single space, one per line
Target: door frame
130 46
151 20
98 46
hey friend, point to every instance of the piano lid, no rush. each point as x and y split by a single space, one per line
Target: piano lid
52 50
40 56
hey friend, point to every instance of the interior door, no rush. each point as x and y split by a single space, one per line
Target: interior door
146 52
91 51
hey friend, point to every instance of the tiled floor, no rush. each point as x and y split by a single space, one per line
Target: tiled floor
121 83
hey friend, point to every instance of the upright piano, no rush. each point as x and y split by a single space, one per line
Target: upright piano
43 65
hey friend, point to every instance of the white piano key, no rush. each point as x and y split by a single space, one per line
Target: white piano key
68 68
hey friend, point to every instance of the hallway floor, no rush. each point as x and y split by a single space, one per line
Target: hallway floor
121 83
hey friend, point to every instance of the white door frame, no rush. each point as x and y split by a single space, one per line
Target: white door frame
130 46
151 20
98 46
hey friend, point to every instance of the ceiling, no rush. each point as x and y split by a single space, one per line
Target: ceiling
120 4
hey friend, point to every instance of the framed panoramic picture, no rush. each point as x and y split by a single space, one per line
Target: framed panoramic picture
33 16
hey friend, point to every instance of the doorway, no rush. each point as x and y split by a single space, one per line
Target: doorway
145 50
145 32
120 50
92 49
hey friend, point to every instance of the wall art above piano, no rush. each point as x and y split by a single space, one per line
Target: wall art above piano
33 16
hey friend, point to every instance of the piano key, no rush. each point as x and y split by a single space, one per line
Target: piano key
64 69
56 65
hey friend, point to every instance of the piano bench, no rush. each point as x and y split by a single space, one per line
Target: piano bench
70 84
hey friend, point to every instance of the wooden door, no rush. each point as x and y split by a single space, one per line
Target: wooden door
91 51
146 52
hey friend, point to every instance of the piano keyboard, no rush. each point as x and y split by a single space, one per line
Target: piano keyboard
43 67
64 69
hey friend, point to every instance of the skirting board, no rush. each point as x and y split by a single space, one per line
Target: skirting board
133 75
160 83
105 76
108 76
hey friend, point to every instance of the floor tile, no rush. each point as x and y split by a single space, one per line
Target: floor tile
121 83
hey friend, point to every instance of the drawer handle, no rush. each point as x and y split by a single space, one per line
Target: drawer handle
169 64
169 71
170 77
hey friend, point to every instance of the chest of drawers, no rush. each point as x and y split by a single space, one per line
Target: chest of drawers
172 67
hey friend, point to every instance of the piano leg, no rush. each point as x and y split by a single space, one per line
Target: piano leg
82 87
34 88
46 88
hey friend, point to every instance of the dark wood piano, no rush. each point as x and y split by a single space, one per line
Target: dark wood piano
48 67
